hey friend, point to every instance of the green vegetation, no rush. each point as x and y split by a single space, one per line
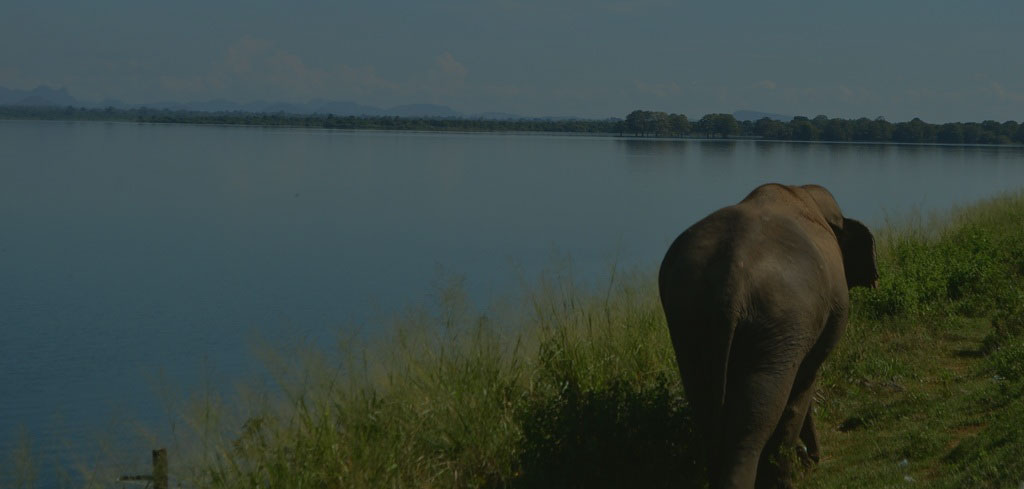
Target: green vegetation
639 123
327 121
822 128
580 388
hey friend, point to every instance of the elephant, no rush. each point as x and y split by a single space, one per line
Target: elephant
756 296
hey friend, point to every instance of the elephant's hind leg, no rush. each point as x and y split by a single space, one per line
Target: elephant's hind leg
775 466
756 399
809 435
796 424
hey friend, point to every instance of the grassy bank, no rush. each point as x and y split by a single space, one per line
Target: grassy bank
579 389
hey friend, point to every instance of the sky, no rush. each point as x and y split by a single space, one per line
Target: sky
939 60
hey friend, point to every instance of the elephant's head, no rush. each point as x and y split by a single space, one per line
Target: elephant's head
855 240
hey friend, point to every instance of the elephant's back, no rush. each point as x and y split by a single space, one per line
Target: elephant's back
702 257
739 249
714 239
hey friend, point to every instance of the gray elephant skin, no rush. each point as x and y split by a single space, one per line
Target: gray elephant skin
756 295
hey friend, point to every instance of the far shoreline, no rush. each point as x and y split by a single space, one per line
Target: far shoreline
608 128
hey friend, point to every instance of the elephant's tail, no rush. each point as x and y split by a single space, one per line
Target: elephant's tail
720 370
702 322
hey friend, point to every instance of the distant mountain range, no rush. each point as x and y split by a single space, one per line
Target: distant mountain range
46 96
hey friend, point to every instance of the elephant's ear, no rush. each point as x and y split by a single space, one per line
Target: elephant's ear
858 247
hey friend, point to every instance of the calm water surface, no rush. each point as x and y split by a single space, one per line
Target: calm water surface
134 256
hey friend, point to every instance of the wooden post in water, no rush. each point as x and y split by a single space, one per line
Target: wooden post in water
160 468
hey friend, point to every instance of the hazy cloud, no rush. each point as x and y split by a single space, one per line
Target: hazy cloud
445 78
857 95
504 90
631 6
254 68
669 89
258 69
451 68
258 64
611 6
12 78
1002 93
187 86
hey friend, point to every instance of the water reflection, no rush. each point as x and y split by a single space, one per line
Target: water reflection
839 150
719 147
878 150
800 147
765 148
643 147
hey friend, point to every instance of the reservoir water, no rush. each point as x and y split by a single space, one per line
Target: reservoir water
135 257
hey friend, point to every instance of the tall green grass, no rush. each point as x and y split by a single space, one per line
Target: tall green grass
581 390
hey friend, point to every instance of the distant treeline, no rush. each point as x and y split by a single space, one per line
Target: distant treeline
328 121
641 123
822 128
